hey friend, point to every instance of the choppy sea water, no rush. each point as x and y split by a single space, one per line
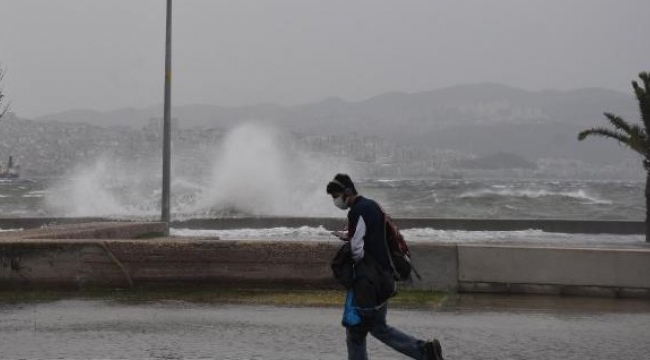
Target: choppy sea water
436 198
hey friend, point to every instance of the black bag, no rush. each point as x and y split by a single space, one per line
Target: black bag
373 285
343 266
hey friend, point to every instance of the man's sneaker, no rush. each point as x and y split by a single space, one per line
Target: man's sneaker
433 350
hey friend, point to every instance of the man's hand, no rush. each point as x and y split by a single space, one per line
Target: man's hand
342 235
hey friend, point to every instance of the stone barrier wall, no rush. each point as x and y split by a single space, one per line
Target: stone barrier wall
554 270
127 263
66 256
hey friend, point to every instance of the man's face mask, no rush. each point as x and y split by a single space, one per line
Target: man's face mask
340 203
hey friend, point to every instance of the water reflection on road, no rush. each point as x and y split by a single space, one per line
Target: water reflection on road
474 327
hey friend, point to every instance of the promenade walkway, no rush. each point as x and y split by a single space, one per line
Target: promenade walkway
475 327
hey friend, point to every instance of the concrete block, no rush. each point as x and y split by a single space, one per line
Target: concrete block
483 287
437 264
634 293
107 230
561 266
590 291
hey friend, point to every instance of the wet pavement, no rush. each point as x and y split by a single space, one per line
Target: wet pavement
473 327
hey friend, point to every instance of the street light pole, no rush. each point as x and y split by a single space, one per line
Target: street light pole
167 122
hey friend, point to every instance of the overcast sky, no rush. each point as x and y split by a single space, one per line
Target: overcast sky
109 54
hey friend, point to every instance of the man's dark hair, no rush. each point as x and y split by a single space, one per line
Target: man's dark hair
340 183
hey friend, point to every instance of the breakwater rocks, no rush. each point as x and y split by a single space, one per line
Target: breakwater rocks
129 254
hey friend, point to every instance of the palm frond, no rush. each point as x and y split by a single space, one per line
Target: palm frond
634 136
607 133
602 132
645 77
618 122
643 96
639 140
3 111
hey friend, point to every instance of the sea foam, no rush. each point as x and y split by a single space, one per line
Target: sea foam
533 193
306 233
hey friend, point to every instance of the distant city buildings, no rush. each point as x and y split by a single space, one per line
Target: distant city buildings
55 148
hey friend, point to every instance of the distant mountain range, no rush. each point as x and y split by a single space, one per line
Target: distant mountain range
480 118
478 104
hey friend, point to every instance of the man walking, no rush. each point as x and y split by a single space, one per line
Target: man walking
366 234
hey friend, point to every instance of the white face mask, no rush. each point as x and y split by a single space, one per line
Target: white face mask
340 203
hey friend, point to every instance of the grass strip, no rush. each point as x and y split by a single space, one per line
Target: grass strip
224 295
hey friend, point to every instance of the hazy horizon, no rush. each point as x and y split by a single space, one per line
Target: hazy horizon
315 101
107 55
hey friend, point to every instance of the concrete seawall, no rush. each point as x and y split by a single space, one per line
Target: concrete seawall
133 254
554 270
130 254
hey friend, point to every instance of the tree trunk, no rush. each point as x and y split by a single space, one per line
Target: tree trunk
647 206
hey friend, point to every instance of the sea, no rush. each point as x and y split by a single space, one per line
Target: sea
496 199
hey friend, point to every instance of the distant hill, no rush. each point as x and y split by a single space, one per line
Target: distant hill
481 118
453 106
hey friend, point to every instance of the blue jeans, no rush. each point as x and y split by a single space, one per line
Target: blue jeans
375 324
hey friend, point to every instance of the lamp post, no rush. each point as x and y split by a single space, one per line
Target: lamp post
167 122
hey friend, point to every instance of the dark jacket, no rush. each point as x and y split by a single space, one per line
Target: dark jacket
373 280
374 237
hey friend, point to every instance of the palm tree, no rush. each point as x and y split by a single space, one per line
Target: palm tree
633 136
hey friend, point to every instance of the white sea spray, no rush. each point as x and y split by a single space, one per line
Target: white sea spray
255 171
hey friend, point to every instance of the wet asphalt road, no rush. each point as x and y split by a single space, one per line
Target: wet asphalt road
475 327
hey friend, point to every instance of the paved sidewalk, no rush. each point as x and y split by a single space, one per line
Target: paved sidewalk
474 328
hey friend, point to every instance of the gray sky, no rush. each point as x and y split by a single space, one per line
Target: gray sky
109 54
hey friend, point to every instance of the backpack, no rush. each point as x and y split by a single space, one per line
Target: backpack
400 256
